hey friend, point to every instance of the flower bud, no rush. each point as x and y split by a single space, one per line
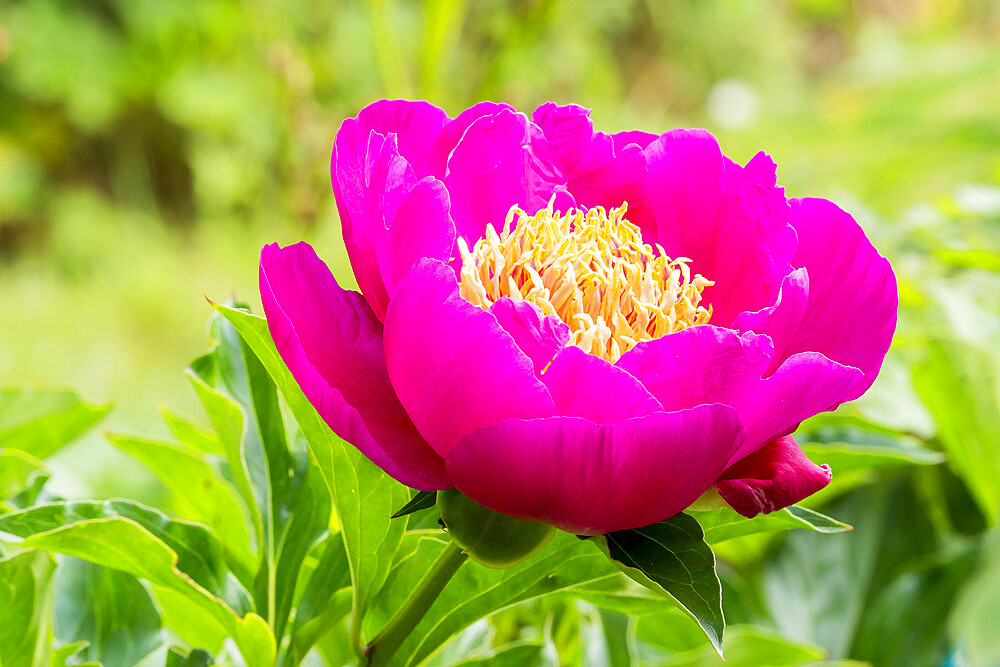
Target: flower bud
489 538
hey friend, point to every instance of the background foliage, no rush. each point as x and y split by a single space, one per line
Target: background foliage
148 148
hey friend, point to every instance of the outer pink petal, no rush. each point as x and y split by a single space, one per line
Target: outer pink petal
445 142
415 123
583 385
498 163
637 137
851 314
332 344
731 221
775 476
453 366
539 336
707 364
590 479
421 227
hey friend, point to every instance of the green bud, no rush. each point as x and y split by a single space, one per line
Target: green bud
490 538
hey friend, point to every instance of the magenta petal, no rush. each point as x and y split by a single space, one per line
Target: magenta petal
590 479
781 321
494 167
702 364
445 142
851 313
415 123
331 342
539 336
453 366
731 221
775 476
637 137
583 385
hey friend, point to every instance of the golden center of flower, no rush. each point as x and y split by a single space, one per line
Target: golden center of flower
591 270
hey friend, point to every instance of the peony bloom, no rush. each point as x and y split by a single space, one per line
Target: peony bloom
589 330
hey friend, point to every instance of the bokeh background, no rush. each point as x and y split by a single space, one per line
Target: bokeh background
149 148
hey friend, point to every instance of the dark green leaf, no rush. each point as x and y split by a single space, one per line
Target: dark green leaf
673 557
40 422
108 609
25 608
421 500
179 657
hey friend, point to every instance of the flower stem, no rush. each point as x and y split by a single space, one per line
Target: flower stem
381 649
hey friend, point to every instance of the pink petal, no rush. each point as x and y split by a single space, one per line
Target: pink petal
583 385
421 227
731 221
781 321
497 164
415 123
331 342
851 313
452 365
708 364
446 140
539 336
590 479
775 476
637 137
598 173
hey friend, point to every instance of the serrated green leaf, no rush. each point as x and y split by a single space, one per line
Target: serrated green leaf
40 422
198 551
108 610
124 545
673 557
726 524
421 500
476 592
363 495
199 492
25 608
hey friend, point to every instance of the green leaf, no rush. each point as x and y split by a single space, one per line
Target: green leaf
198 551
109 610
325 599
726 524
124 545
190 434
958 384
672 557
25 608
66 655
421 500
20 473
746 646
199 492
178 657
520 654
605 636
476 592
40 422
854 465
363 495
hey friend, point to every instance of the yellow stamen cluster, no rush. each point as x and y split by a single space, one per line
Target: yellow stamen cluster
591 270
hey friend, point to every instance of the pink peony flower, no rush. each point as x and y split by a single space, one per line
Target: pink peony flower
589 330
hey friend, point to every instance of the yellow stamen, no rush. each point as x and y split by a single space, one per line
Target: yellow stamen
591 270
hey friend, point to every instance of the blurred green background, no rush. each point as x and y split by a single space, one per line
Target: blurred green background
149 148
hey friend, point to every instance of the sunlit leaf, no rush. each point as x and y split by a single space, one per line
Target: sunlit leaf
40 422
325 600
25 608
726 524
